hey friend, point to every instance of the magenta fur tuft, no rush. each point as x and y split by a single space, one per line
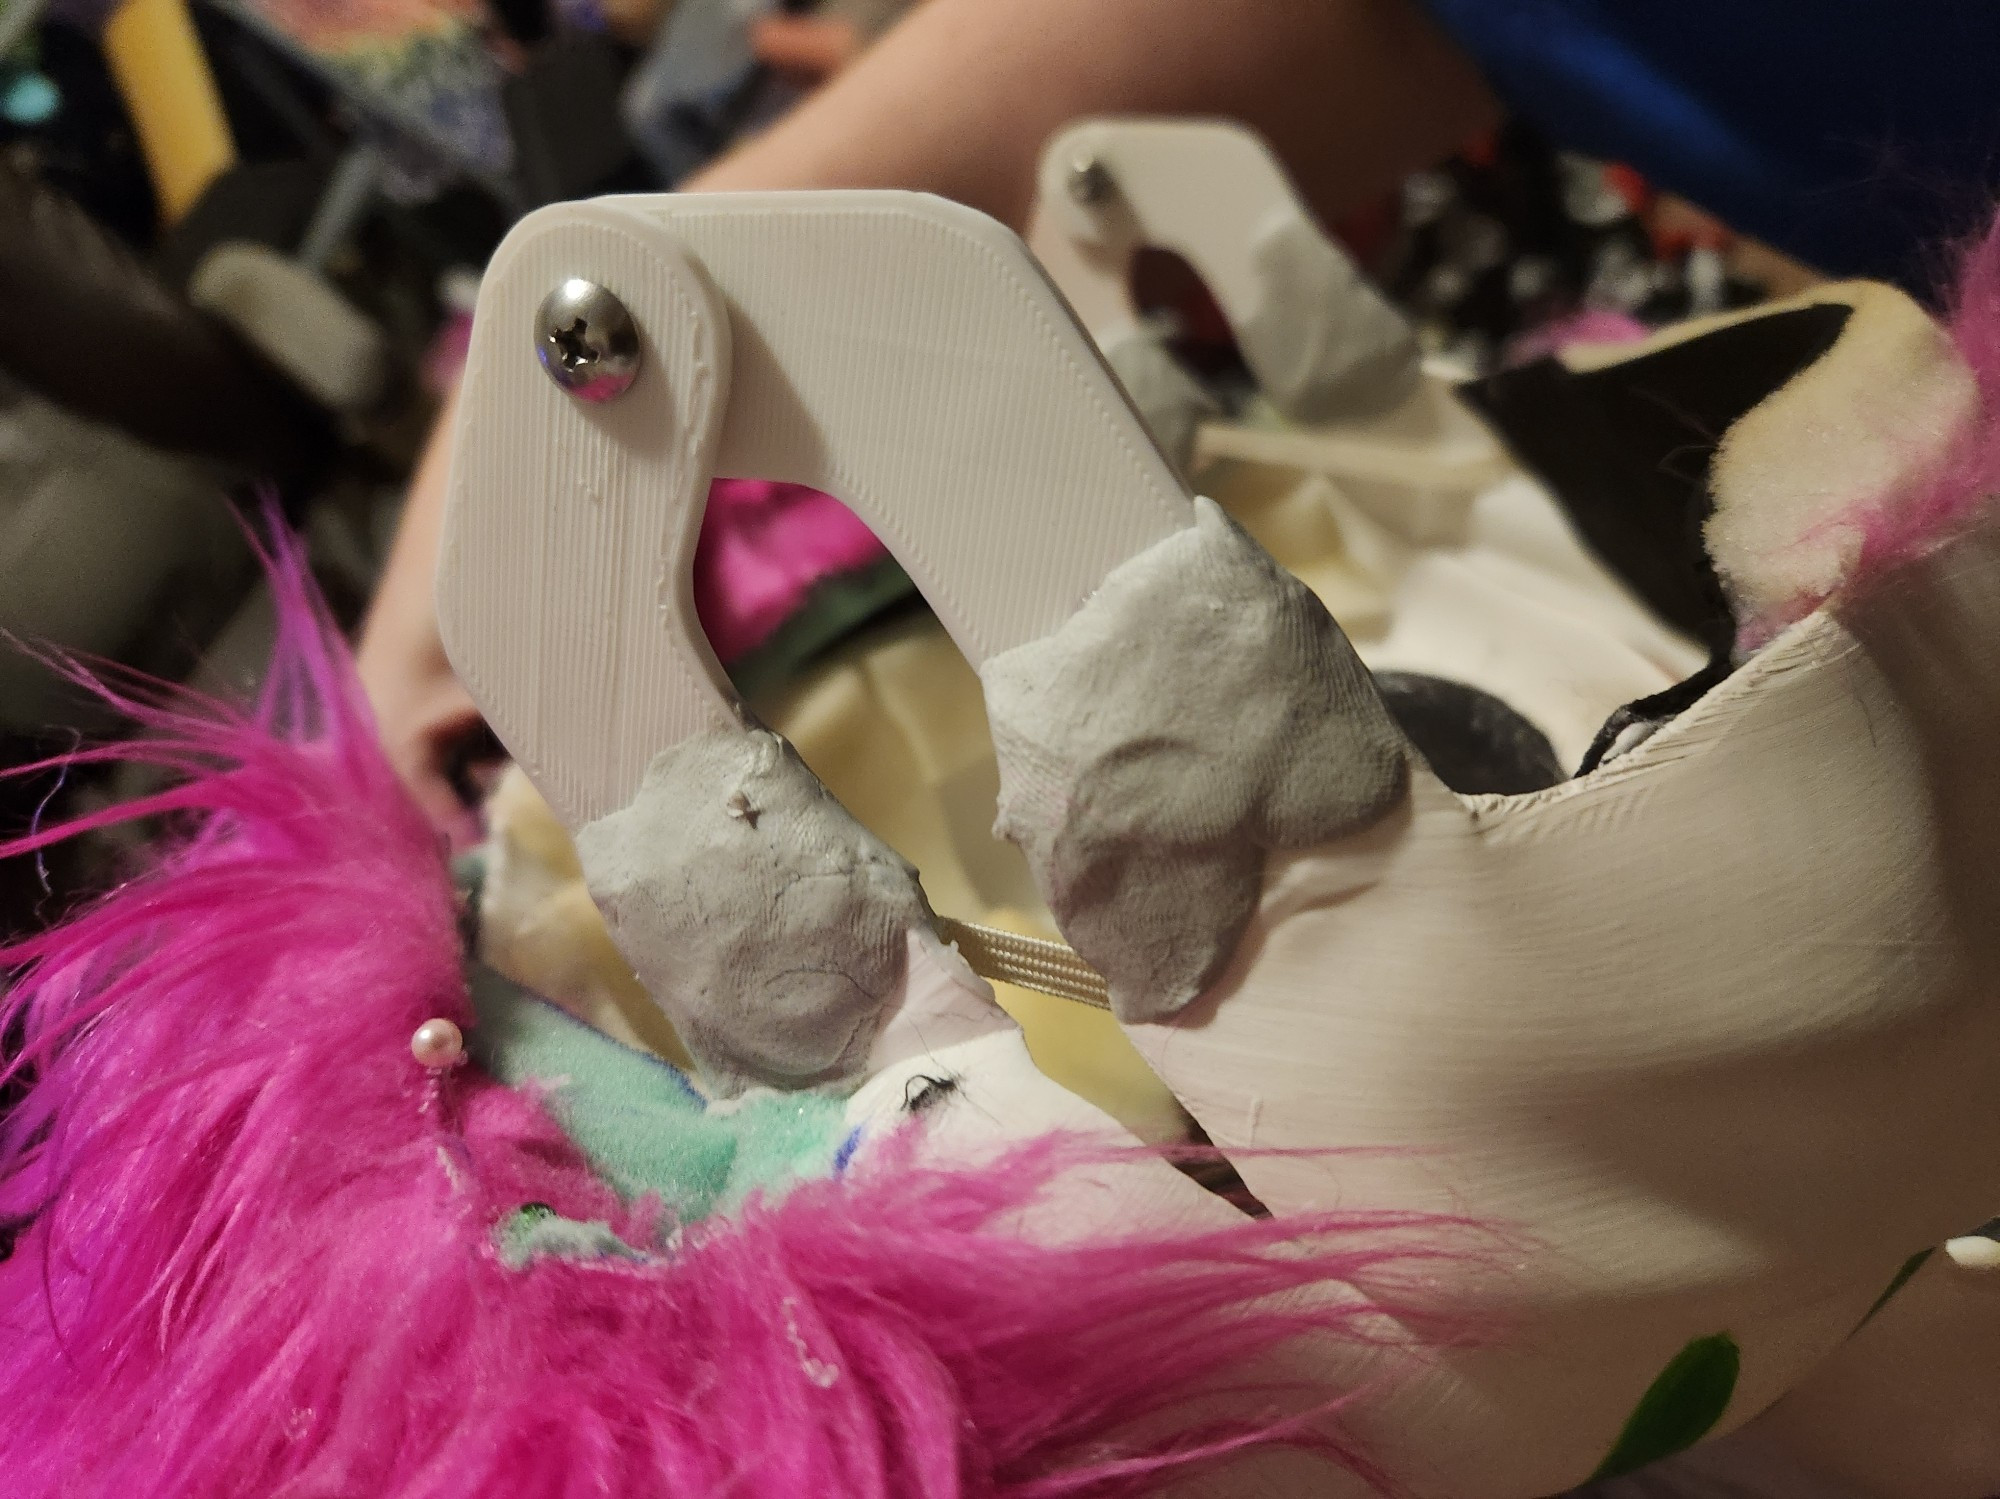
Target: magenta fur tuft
1949 495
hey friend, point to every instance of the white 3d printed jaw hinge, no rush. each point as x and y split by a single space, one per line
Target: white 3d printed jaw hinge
893 349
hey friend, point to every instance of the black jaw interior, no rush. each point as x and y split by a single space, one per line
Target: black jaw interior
1627 450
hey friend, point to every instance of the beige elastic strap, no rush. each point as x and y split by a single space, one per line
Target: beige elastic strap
1031 962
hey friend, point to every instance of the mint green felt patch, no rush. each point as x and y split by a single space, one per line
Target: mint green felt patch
640 1121
537 1231
1679 1408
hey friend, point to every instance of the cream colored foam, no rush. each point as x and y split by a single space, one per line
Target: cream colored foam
1845 433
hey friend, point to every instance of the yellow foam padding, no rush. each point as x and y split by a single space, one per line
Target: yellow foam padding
894 723
1300 520
897 730
539 927
1862 423
163 76
1081 1047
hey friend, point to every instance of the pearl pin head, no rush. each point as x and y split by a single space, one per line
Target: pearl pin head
438 1044
1978 1251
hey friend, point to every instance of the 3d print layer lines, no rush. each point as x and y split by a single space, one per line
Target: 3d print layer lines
1200 711
768 923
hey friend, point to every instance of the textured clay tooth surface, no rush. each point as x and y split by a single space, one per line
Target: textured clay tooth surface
1201 710
767 922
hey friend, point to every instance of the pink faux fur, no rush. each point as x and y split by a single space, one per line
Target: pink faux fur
256 1254
763 548
1967 481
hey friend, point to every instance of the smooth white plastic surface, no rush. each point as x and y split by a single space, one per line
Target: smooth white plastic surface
562 578
1208 190
1213 193
896 350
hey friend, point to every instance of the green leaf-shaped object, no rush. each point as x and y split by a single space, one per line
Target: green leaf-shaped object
1680 1407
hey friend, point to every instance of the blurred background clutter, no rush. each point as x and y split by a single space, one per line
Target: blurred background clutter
240 244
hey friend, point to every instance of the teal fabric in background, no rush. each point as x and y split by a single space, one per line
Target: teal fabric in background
641 1122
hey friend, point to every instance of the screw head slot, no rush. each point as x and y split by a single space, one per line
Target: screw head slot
587 341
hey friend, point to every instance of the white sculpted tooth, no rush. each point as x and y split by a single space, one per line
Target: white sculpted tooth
1201 710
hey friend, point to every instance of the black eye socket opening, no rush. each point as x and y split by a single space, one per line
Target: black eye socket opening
922 1093
1473 741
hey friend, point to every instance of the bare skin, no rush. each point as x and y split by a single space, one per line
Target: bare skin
958 100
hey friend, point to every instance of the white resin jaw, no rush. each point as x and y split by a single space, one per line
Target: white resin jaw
1707 1035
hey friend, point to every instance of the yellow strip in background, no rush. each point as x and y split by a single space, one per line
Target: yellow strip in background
170 93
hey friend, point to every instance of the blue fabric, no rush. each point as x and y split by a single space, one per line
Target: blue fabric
1860 137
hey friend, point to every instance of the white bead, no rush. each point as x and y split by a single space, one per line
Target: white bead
1974 1252
438 1044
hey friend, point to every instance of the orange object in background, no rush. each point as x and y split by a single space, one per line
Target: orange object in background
810 49
1677 226
1630 186
164 78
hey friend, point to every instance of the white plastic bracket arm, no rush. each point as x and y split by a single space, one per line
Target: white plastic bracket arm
898 351
1320 340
